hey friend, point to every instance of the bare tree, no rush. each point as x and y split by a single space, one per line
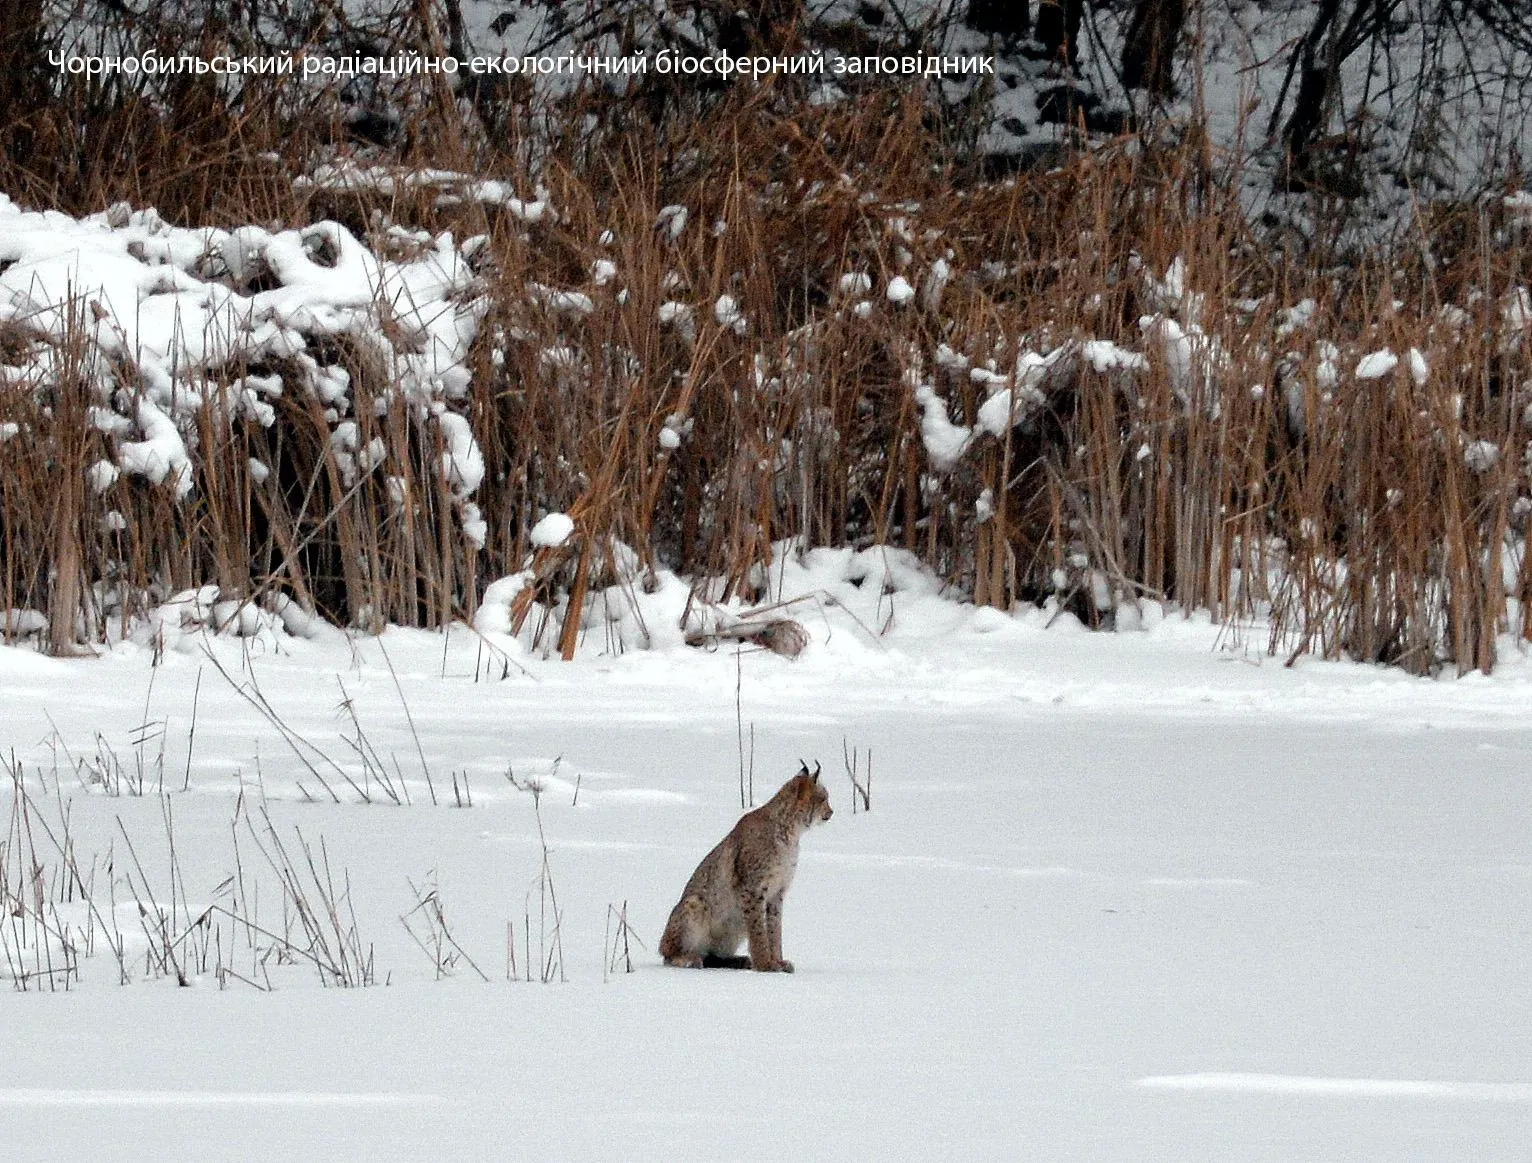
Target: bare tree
1010 20
1311 95
1058 29
1149 49
747 26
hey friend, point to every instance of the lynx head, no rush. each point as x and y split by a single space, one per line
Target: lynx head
813 799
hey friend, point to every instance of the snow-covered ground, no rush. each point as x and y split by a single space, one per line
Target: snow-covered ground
1133 896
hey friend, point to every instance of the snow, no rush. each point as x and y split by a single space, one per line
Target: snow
1297 317
1106 356
1145 895
1420 368
855 283
462 462
451 187
945 442
984 506
675 429
671 220
1377 364
673 313
1184 350
160 455
1344 1087
20 622
1481 455
175 306
936 283
726 311
35 1097
1008 407
572 303
553 530
1516 309
102 475
1327 373
475 527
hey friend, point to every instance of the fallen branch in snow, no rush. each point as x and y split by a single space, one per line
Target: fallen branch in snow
779 635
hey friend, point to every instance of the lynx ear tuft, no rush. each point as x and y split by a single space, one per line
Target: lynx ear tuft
816 770
803 767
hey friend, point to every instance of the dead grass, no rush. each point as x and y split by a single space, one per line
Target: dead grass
1244 480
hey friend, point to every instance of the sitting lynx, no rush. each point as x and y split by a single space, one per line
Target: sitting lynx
736 892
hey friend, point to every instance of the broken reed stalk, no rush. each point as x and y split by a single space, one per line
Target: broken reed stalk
861 789
550 942
619 943
420 750
437 941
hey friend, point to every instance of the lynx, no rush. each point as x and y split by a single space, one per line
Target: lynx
736 892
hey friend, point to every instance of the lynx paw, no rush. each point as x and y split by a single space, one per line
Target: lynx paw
686 961
782 966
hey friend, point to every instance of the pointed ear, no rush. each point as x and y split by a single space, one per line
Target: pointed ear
803 768
816 770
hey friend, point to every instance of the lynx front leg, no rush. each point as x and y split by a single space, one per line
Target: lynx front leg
774 934
758 928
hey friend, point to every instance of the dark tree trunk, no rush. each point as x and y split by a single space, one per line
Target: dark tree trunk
1010 20
23 59
754 26
24 88
1149 51
1058 29
1311 64
1308 116
456 45
1317 64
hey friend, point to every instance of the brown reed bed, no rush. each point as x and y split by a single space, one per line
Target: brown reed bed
1240 465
